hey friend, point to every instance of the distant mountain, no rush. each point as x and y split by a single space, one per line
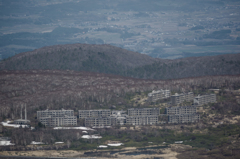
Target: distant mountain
113 60
78 57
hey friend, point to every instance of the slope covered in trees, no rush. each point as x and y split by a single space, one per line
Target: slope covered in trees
39 90
114 60
228 64
78 57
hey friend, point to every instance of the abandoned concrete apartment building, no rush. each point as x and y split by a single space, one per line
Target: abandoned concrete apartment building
136 116
187 113
57 117
177 99
204 99
183 114
156 95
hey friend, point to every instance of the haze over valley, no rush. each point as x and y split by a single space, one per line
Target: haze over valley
165 29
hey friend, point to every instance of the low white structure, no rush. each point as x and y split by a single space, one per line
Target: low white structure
78 128
6 143
7 123
178 142
91 137
102 146
115 144
36 143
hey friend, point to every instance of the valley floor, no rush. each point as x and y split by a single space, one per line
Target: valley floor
166 153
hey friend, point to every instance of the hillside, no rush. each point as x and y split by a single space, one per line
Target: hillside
228 64
113 60
56 89
78 57
52 89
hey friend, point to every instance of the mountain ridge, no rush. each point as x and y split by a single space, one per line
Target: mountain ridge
113 60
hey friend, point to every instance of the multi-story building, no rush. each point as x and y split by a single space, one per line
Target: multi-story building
183 118
142 116
160 94
182 114
59 121
181 110
179 98
142 120
100 121
94 113
204 99
120 116
57 117
143 111
54 113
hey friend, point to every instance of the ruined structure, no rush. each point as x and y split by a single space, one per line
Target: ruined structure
204 99
181 110
183 118
57 117
143 111
136 116
100 121
182 114
142 120
22 121
94 113
156 95
179 98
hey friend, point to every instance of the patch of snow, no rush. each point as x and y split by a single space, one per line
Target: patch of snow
6 143
36 143
78 128
117 144
59 142
102 146
91 137
84 132
178 142
13 125
101 127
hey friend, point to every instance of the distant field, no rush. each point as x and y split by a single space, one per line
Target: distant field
218 48
177 52
107 37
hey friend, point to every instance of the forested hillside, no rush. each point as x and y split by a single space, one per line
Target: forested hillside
52 89
190 67
78 57
113 60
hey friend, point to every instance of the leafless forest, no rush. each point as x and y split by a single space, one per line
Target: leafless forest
52 89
